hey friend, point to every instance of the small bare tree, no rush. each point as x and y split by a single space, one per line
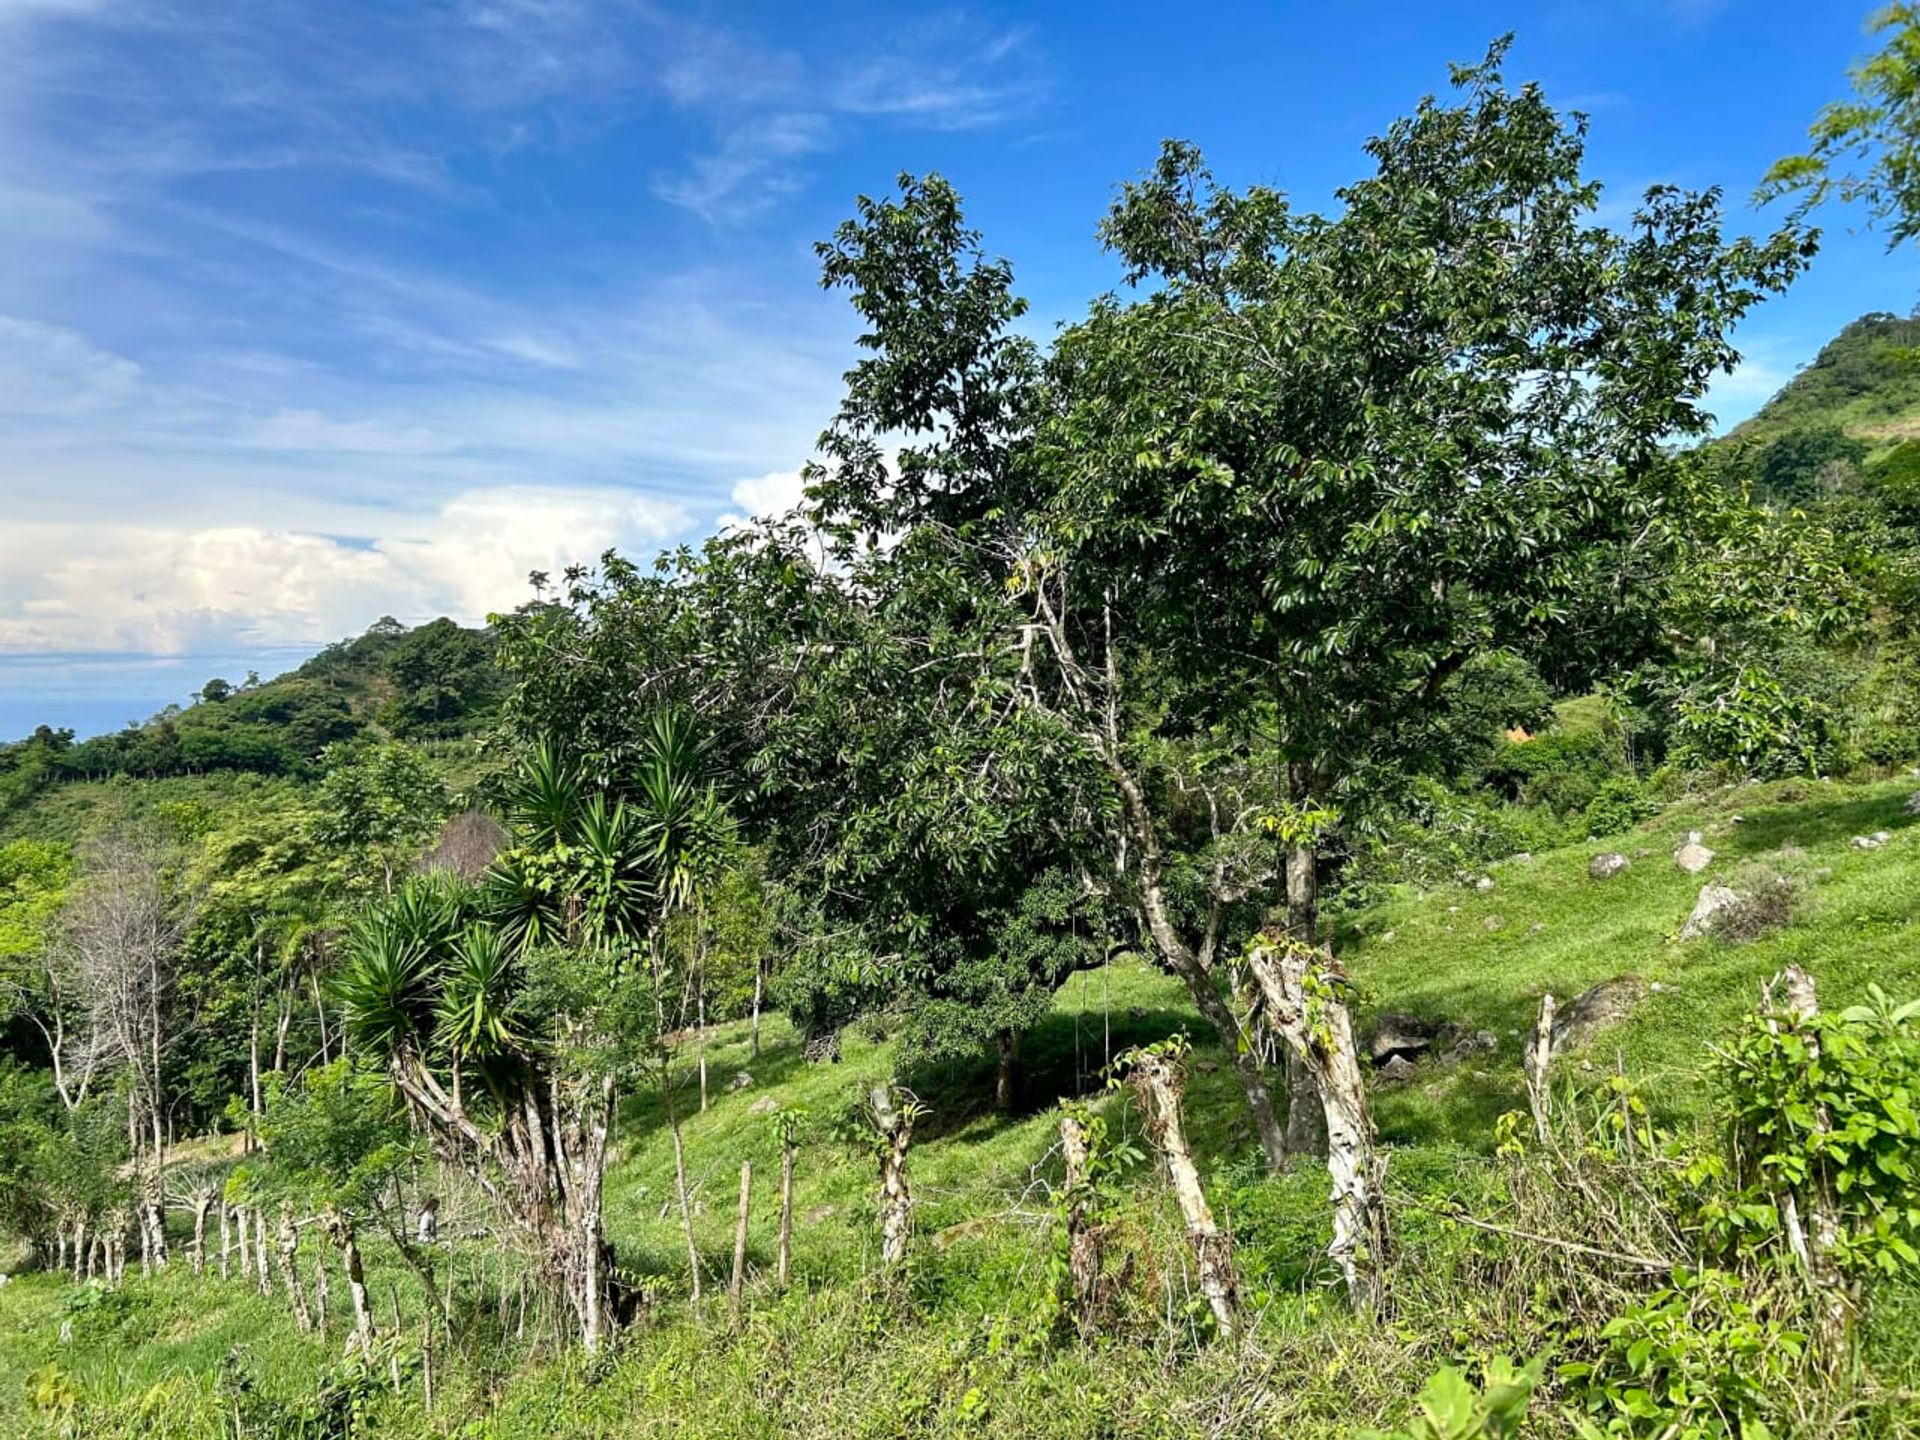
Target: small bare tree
119 944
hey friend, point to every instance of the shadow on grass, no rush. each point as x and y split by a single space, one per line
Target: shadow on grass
1814 822
1056 1061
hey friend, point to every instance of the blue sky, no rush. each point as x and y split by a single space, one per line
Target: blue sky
313 312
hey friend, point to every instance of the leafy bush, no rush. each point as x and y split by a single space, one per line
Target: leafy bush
1620 803
1697 1360
1451 1408
1828 1105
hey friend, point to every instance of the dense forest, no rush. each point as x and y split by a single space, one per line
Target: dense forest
1309 856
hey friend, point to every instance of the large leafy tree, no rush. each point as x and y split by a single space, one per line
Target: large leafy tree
1253 520
927 833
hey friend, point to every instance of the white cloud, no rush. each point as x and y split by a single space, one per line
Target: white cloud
750 170
70 588
309 430
769 495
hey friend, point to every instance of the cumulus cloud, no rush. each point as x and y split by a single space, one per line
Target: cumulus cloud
67 589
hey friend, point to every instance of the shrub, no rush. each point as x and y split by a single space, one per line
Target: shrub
1620 803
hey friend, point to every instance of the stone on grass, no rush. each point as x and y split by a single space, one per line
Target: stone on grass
765 1105
1913 803
1398 1070
1714 899
1492 922
1408 1035
1693 857
1608 865
1870 842
1483 884
1599 1008
741 1081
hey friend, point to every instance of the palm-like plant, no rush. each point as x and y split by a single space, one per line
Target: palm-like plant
521 983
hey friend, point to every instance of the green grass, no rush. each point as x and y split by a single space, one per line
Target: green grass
965 1352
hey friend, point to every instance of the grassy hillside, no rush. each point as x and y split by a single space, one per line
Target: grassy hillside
971 1350
1864 382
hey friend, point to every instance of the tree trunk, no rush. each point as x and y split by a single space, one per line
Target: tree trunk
320 1293
226 1235
340 1228
680 1187
1302 990
1006 1047
736 1286
202 1203
700 1000
244 1223
81 1252
786 1210
1084 1240
894 1122
262 1264
1306 1123
1159 1081
287 1257
1538 1060
759 982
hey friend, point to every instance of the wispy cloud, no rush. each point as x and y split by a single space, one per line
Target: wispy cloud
312 312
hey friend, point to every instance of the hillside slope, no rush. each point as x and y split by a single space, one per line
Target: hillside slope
968 1351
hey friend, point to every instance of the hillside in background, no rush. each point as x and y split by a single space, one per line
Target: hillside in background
1846 423
438 681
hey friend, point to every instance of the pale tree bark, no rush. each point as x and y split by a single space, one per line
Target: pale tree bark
320 1293
1302 989
341 1230
737 1284
82 1253
262 1263
1084 1240
1159 1081
287 1258
893 1113
1538 1061
787 1147
226 1236
759 984
202 1202
244 1225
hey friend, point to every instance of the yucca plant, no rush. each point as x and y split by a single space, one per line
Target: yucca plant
506 1014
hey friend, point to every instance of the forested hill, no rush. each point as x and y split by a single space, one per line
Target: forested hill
433 682
1846 423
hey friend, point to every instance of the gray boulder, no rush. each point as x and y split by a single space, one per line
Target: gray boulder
1693 857
765 1105
1913 803
1714 899
1398 1070
1483 884
1599 1008
741 1081
1870 842
1608 865
1405 1035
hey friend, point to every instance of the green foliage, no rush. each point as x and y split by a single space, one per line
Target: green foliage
335 1138
1809 464
1695 1361
1877 124
1453 1408
1832 1106
1620 803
